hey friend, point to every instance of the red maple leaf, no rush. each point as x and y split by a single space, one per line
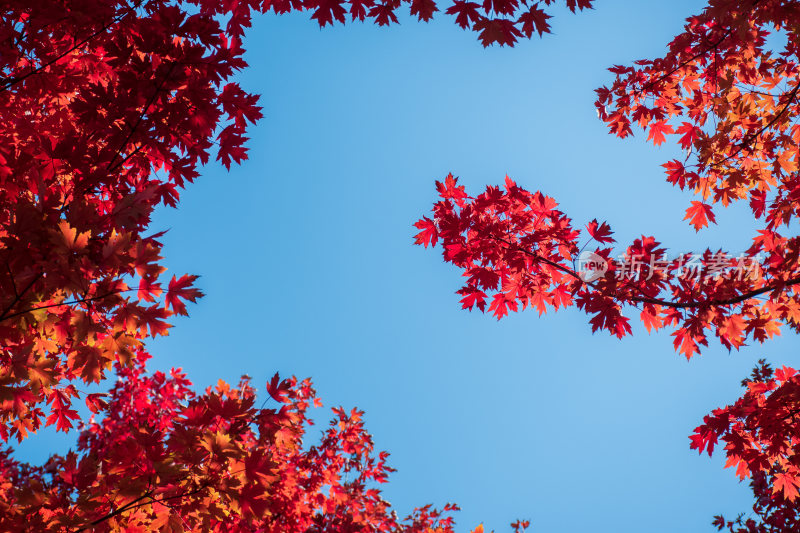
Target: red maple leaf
534 20
600 232
786 483
423 9
690 132
699 214
179 290
657 131
497 30
466 13
429 234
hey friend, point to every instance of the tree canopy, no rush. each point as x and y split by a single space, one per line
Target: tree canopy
727 93
111 108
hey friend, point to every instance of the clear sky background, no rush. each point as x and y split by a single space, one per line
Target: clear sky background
306 257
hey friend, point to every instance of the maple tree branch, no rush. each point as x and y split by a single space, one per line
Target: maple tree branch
658 301
22 31
116 512
84 300
545 260
141 115
38 30
682 64
744 89
18 297
729 301
746 142
135 504
112 166
17 79
750 427
175 511
13 282
126 158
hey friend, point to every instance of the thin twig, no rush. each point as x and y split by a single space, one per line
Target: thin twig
659 301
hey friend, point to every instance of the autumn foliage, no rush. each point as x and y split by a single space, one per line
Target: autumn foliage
110 108
164 458
729 99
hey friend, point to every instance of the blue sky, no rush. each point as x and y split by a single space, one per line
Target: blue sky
306 257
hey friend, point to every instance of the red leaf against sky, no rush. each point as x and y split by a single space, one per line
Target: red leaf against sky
699 214
733 89
534 20
429 233
657 131
179 290
600 232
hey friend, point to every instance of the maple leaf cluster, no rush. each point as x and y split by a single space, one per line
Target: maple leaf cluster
761 432
164 458
728 96
516 249
108 109
496 21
